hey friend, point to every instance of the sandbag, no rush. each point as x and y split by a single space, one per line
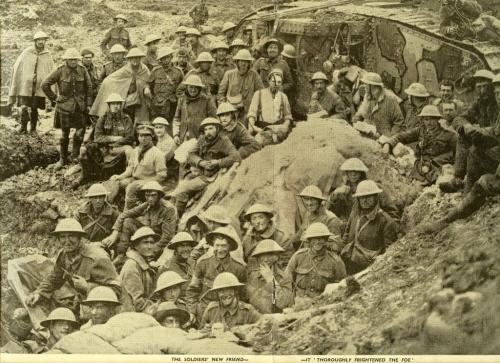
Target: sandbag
122 325
154 340
84 343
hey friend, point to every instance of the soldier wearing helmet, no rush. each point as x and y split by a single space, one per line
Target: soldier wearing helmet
74 99
247 36
227 307
435 145
457 16
446 96
151 42
30 69
60 322
80 264
171 315
118 60
236 45
235 131
193 107
315 266
222 62
311 209
199 14
223 240
194 46
180 40
369 230
213 151
100 306
326 100
231 87
269 288
97 215
418 97
116 35
182 60
170 287
272 49
208 75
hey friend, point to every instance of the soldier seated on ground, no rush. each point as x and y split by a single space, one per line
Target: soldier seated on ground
418 98
457 16
96 215
60 322
81 265
269 114
315 266
212 153
166 144
269 288
153 212
326 100
447 95
435 145
100 306
369 229
171 315
227 307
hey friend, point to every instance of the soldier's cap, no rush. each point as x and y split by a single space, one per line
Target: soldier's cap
483 74
86 51
152 38
316 229
273 41
275 71
168 308
496 79
114 97
40 35
223 280
289 51
243 55
117 48
167 280
204 57
69 225
319 76
193 80
164 52
209 121
267 246
71 53
160 121
207 29
59 314
183 51
367 187
181 29
430 111
248 28
145 129
228 233
135 53
96 190
220 45
181 238
312 191
225 107
259 208
215 213
354 164
417 90
373 79
228 25
238 43
120 16
193 31
101 294
153 185
142 233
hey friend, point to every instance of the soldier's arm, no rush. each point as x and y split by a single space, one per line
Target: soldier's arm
99 135
132 282
129 213
211 108
160 167
390 232
89 92
362 112
176 122
193 156
223 87
253 315
396 118
194 288
405 137
128 139
105 41
248 144
168 226
104 274
284 292
339 109
48 82
53 281
287 78
232 155
258 83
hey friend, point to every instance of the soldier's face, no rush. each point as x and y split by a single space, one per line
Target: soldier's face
260 221
418 101
192 39
268 259
60 328
71 63
230 33
446 93
154 45
226 296
243 66
97 202
221 247
135 61
181 59
353 176
114 107
70 242
273 50
120 23
145 139
226 119
146 247
171 294
210 132
319 85
170 321
166 61
118 57
368 201
182 36
221 54
205 66
184 250
311 204
317 243
375 91
195 230
482 87
152 197
496 90
40 43
449 111
101 312
193 91
160 130
87 59
275 81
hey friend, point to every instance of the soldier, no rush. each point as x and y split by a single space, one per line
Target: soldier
60 322
101 305
73 102
228 31
137 276
483 112
30 69
324 100
435 145
240 84
457 16
147 163
235 131
155 213
369 229
487 28
191 110
224 240
170 315
165 142
117 54
227 307
236 45
213 151
262 227
116 35
194 46
313 200
18 335
82 265
271 61
269 115
87 62
151 44
315 266
97 215
449 112
379 107
170 288
222 63
183 61
112 145
207 75
289 55
446 95
180 41
162 86
199 14
269 288
248 36
418 98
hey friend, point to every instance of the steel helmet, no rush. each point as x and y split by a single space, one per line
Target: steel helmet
373 79
228 25
168 279
225 280
117 48
220 45
160 121
71 53
319 76
273 41
168 308
153 185
181 29
216 213
229 233
96 190
114 97
135 53
86 51
353 164
496 79
152 38
484 73
367 187
243 55
289 51
207 29
417 90
267 246
317 230
164 52
275 71
69 225
59 314
102 294
120 16
181 238
40 35
225 107
258 208
430 111
248 28
238 43
143 232
193 80
193 31
204 57
210 121
145 129
312 191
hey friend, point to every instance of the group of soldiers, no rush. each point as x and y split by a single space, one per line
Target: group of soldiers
218 106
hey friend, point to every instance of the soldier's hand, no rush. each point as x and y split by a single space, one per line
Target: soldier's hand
386 149
110 240
343 189
212 164
266 272
147 92
192 318
177 139
80 283
203 164
32 299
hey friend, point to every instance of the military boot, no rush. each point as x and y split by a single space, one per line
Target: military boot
452 186
84 176
63 154
75 151
33 121
25 116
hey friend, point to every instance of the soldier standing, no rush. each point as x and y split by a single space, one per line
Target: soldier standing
116 35
222 63
228 31
207 75
272 60
180 41
151 43
117 53
199 14
87 62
